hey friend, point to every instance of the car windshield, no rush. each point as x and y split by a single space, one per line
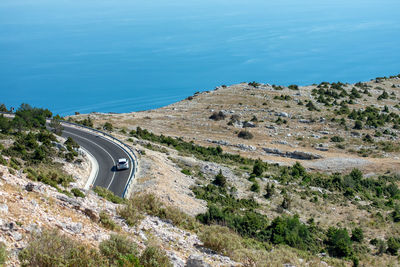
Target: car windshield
122 162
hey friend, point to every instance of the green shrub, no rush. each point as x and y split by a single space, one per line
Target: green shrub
270 190
220 239
135 207
393 245
311 107
116 247
286 202
298 171
106 221
77 192
255 187
214 154
3 253
217 116
107 194
358 125
337 139
154 257
357 235
283 97
245 134
290 231
3 161
186 172
258 168
338 242
50 248
50 175
220 179
384 95
254 84
108 126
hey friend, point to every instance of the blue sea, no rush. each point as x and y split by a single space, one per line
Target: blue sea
130 55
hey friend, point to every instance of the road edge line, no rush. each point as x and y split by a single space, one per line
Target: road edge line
94 168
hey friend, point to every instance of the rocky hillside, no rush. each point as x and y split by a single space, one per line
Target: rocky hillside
244 175
29 207
326 155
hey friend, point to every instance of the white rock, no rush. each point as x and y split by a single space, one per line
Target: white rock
4 208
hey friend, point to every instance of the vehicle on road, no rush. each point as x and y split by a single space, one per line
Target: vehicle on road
122 164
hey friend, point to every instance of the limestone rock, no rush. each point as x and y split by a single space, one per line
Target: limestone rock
196 261
76 228
3 208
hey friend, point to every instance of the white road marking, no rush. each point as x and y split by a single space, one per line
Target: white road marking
112 179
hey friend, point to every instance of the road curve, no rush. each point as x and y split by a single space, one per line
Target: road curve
106 153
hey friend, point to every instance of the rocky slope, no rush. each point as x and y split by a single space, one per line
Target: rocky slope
27 206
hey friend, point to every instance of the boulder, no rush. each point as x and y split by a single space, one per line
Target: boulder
16 236
282 114
304 155
246 147
75 228
70 201
248 124
196 261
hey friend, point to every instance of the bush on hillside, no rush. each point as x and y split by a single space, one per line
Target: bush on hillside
108 126
220 239
50 248
220 179
245 134
77 192
154 257
357 235
143 203
218 116
339 242
106 221
393 245
117 247
107 194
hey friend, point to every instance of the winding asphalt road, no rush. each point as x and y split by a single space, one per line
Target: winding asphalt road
107 154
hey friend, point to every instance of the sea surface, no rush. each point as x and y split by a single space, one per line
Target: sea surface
130 55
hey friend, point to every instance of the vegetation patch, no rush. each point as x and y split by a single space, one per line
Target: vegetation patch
107 194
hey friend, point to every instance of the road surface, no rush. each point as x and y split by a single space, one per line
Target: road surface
107 154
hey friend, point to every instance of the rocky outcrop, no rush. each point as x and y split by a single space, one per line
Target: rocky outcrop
196 261
294 155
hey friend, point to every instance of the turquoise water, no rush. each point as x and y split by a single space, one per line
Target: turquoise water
121 56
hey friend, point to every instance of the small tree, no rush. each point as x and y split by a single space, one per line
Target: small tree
220 179
358 125
270 190
286 203
339 243
70 143
3 108
357 235
258 168
393 245
255 187
56 125
108 126
298 170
